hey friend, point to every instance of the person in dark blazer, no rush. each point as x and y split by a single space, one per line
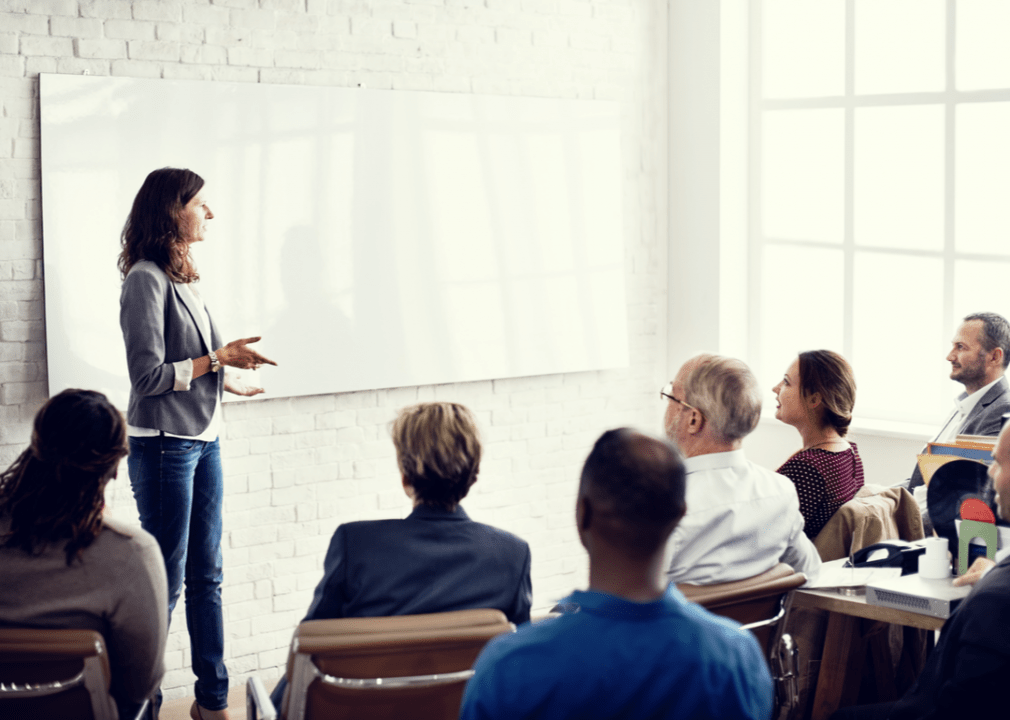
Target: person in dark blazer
978 359
174 355
964 674
436 559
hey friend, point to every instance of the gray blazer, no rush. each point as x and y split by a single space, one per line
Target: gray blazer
159 328
986 418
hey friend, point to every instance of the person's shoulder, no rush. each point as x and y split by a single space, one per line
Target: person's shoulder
119 532
1000 393
718 630
145 271
774 480
532 639
357 528
802 460
496 534
723 648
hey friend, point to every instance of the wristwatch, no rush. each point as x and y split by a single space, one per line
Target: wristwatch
215 364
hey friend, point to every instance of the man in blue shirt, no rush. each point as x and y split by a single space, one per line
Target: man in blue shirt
628 646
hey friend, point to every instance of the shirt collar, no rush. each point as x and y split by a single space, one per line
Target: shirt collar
430 512
966 403
715 461
599 603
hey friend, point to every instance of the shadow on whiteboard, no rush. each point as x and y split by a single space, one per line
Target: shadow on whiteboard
373 238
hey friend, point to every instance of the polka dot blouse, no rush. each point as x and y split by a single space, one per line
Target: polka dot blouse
824 482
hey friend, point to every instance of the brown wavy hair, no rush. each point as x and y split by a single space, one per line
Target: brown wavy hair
828 373
55 490
154 228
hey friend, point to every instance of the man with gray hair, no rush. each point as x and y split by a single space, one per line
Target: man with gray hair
741 519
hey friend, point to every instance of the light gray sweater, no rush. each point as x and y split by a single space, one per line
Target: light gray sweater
118 588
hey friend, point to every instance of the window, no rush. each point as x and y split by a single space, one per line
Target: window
879 188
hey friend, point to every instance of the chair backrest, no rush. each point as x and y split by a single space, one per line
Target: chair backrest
392 667
760 602
54 673
876 513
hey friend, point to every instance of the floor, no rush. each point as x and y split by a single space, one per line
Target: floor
179 709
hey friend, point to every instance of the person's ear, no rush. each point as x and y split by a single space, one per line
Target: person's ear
813 400
583 513
696 423
996 356
407 487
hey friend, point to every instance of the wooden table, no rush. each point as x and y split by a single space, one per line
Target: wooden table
844 646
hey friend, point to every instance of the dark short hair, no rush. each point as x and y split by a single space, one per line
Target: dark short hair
636 484
828 373
153 231
995 333
438 450
55 489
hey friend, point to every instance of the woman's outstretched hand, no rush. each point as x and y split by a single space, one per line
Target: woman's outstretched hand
238 354
237 387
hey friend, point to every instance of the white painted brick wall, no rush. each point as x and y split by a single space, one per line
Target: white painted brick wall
296 468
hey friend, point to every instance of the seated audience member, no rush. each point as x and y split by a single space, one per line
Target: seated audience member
978 360
816 397
63 564
741 519
436 559
964 674
628 648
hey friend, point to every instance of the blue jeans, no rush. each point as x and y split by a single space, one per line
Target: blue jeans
179 491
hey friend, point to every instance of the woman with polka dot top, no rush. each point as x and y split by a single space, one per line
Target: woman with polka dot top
816 397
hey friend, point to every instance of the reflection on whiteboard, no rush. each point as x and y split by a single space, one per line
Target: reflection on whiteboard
373 238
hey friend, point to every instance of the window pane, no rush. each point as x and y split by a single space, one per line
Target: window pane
899 46
982 181
801 305
803 48
899 344
898 196
980 286
803 174
982 57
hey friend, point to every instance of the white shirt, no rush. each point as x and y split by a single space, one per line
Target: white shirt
741 520
963 405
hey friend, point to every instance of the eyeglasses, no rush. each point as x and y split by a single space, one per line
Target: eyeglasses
667 393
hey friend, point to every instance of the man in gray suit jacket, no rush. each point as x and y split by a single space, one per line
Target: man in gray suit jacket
978 359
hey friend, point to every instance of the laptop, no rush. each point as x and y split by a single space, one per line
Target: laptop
937 598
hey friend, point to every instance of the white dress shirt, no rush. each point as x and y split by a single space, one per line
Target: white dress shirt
963 405
741 520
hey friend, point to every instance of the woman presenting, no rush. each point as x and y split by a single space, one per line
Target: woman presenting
175 356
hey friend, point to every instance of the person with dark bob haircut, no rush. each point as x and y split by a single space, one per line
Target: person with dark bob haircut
63 563
816 396
436 559
174 355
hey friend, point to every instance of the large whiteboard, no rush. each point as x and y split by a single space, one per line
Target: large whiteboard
373 238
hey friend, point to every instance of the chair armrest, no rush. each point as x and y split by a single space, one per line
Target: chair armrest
145 711
257 701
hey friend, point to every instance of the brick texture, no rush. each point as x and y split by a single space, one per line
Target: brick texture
295 469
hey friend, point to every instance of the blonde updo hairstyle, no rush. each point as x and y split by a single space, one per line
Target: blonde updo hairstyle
438 451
